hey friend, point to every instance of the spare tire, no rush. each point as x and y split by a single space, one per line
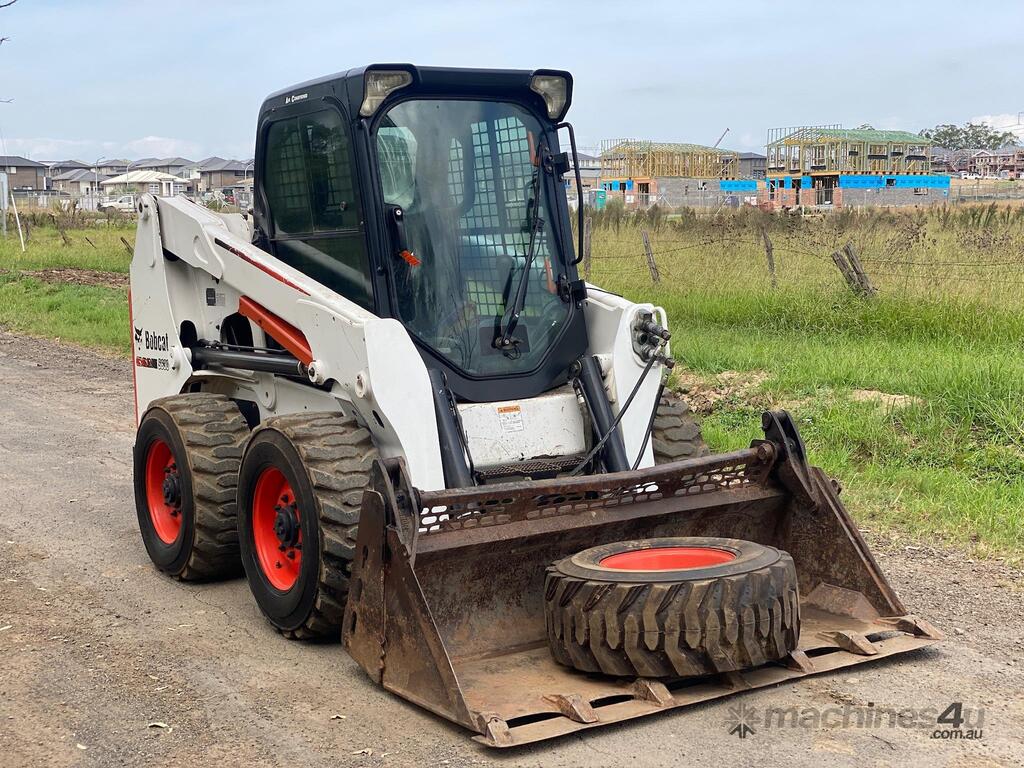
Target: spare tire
672 607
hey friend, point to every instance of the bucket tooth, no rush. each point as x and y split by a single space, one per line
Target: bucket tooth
494 729
918 627
574 707
652 691
799 661
855 642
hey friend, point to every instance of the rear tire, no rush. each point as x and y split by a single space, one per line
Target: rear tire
325 461
712 618
676 434
190 446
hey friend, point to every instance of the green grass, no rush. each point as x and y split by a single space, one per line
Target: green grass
92 316
46 249
951 463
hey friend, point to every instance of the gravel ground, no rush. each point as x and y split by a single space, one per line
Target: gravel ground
107 663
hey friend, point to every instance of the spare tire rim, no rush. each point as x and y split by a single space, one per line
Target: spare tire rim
276 529
667 559
163 491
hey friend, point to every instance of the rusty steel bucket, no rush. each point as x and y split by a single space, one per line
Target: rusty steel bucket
446 605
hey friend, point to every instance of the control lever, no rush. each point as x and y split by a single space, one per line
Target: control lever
396 222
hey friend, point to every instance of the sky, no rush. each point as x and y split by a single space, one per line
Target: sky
105 78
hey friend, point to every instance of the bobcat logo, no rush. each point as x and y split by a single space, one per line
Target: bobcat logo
138 335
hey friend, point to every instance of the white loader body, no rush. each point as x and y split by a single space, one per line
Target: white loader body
192 268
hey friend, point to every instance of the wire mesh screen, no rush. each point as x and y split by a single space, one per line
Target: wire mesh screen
286 185
496 227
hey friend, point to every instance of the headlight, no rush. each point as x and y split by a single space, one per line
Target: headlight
554 89
378 85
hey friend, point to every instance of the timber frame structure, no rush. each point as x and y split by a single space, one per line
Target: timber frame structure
641 159
831 149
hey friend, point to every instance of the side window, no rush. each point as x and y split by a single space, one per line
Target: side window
314 204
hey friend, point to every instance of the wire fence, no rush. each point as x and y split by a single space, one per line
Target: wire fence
888 261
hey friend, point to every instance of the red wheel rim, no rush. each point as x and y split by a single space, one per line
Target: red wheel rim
163 491
276 532
667 559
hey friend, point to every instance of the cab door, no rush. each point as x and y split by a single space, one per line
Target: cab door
314 216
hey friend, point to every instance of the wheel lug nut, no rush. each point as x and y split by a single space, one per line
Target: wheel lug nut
277 564
291 555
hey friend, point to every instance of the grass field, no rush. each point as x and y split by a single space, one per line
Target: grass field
91 315
914 398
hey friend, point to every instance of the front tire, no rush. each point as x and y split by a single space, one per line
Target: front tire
300 490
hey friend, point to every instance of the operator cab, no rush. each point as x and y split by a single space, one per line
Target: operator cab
435 197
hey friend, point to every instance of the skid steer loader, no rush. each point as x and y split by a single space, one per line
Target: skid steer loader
390 399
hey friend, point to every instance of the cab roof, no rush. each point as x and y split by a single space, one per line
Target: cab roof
347 86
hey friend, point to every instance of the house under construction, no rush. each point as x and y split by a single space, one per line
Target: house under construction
644 171
806 165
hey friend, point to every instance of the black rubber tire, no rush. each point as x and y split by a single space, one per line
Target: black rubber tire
676 433
206 434
327 460
671 624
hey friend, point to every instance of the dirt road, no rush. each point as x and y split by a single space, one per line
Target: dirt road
98 652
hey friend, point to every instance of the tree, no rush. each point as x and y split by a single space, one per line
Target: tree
970 136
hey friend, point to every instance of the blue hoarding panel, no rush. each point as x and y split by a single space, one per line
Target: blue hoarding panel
739 185
902 181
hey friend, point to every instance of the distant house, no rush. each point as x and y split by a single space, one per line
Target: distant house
153 182
55 168
62 166
216 173
752 165
951 161
175 166
589 161
79 182
1005 162
23 173
112 166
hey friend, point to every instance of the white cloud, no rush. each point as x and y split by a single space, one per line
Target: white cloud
43 148
1005 122
161 146
54 149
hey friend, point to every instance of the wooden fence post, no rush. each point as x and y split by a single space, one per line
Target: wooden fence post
862 277
844 269
587 229
655 277
769 252
853 272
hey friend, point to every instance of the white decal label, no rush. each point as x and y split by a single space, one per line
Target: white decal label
510 417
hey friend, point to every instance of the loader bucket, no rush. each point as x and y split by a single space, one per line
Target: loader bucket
446 605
